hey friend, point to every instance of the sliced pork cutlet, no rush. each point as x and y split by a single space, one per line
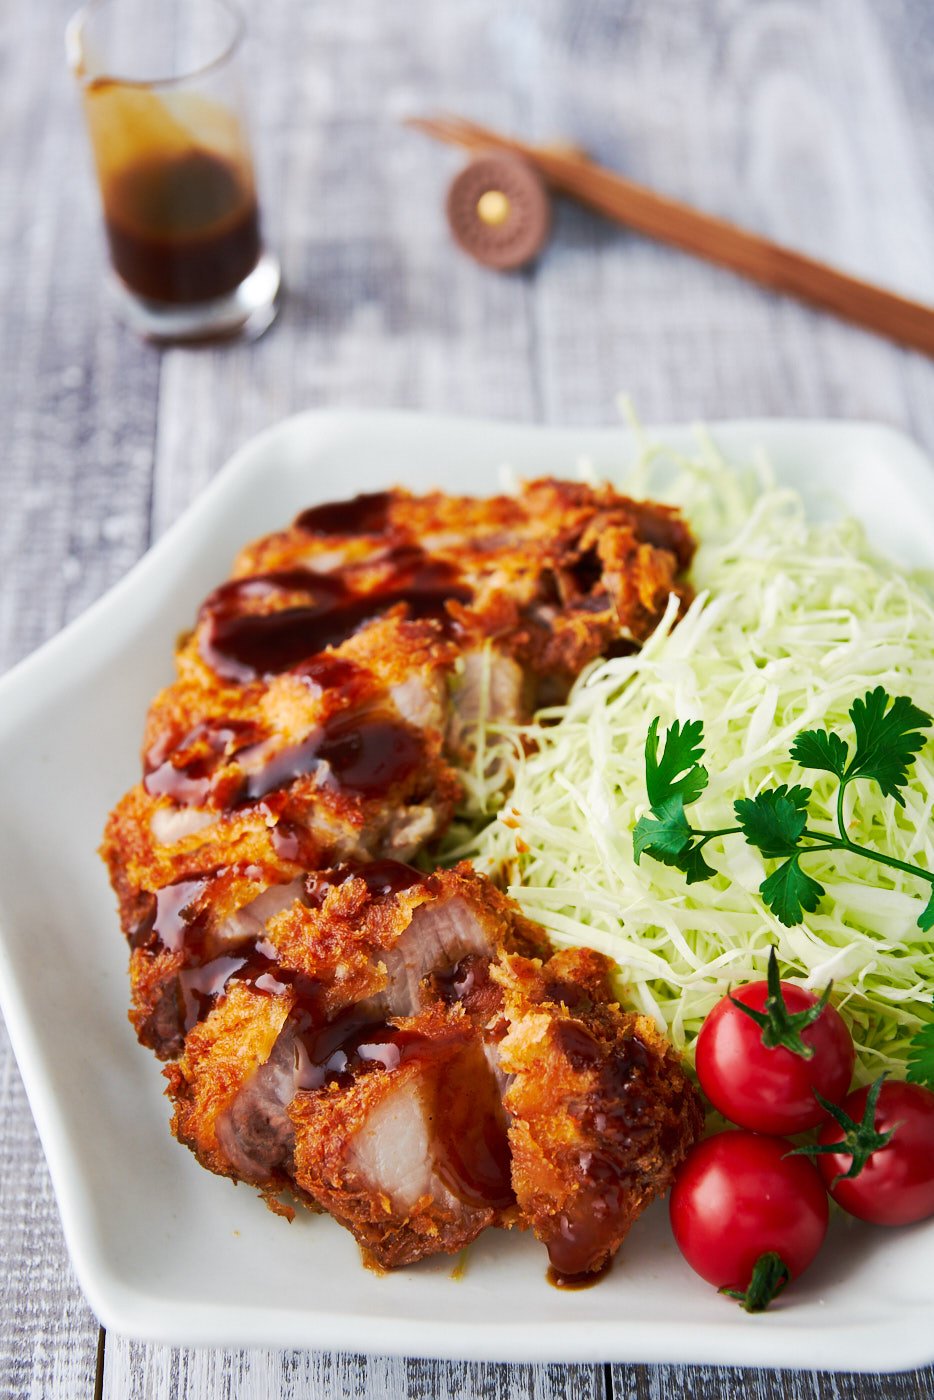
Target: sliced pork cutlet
308 728
600 1111
251 788
407 1145
239 1044
395 938
359 948
341 760
193 937
551 577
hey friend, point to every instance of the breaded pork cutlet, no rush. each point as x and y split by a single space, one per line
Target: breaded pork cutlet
417 1065
600 1111
554 576
395 1047
355 951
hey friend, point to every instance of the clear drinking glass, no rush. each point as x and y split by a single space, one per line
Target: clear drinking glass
163 100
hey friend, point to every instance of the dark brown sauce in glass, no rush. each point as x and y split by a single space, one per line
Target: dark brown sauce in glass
183 227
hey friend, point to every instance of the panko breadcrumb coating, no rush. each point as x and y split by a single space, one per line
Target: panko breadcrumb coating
396 1047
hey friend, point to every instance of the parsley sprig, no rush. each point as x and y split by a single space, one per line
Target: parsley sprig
887 737
921 1056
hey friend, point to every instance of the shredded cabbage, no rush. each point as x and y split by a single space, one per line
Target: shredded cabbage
791 622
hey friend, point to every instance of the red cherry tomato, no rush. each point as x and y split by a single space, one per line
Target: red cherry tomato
896 1186
738 1197
771 1090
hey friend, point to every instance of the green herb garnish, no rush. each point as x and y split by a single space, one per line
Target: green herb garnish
920 1068
887 738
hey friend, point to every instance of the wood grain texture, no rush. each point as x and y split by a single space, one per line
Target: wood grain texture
78 402
810 120
718 1383
157 1373
48 1334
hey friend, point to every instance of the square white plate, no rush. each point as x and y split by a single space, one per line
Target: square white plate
166 1251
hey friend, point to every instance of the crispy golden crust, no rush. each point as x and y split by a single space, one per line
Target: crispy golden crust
601 1112
181 928
425 1206
322 699
221 1053
226 735
344 943
344 949
557 571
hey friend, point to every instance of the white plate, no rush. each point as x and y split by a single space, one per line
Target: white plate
166 1251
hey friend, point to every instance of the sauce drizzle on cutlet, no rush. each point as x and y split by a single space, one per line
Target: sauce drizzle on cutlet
362 756
243 646
185 770
366 514
381 877
616 1114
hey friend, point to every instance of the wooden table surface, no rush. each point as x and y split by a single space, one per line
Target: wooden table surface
810 120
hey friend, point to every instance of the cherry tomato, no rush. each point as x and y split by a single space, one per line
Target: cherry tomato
896 1185
738 1197
771 1089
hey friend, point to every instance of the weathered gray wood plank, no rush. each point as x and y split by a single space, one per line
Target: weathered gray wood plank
48 1335
77 400
719 1383
789 118
162 1373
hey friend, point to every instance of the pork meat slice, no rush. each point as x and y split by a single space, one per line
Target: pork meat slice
600 1111
364 947
392 938
223 1054
192 937
410 1152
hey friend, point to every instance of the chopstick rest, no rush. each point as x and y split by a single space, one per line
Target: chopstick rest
499 211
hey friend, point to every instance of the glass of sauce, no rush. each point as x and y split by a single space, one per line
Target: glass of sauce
163 101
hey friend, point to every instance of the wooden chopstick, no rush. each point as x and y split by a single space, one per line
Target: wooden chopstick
668 220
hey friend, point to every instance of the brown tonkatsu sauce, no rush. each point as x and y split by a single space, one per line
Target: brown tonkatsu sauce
381 877
244 646
360 755
569 1283
361 515
183 226
185 771
617 1113
469 1146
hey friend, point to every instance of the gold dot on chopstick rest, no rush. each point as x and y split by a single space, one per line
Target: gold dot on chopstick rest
499 210
494 207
